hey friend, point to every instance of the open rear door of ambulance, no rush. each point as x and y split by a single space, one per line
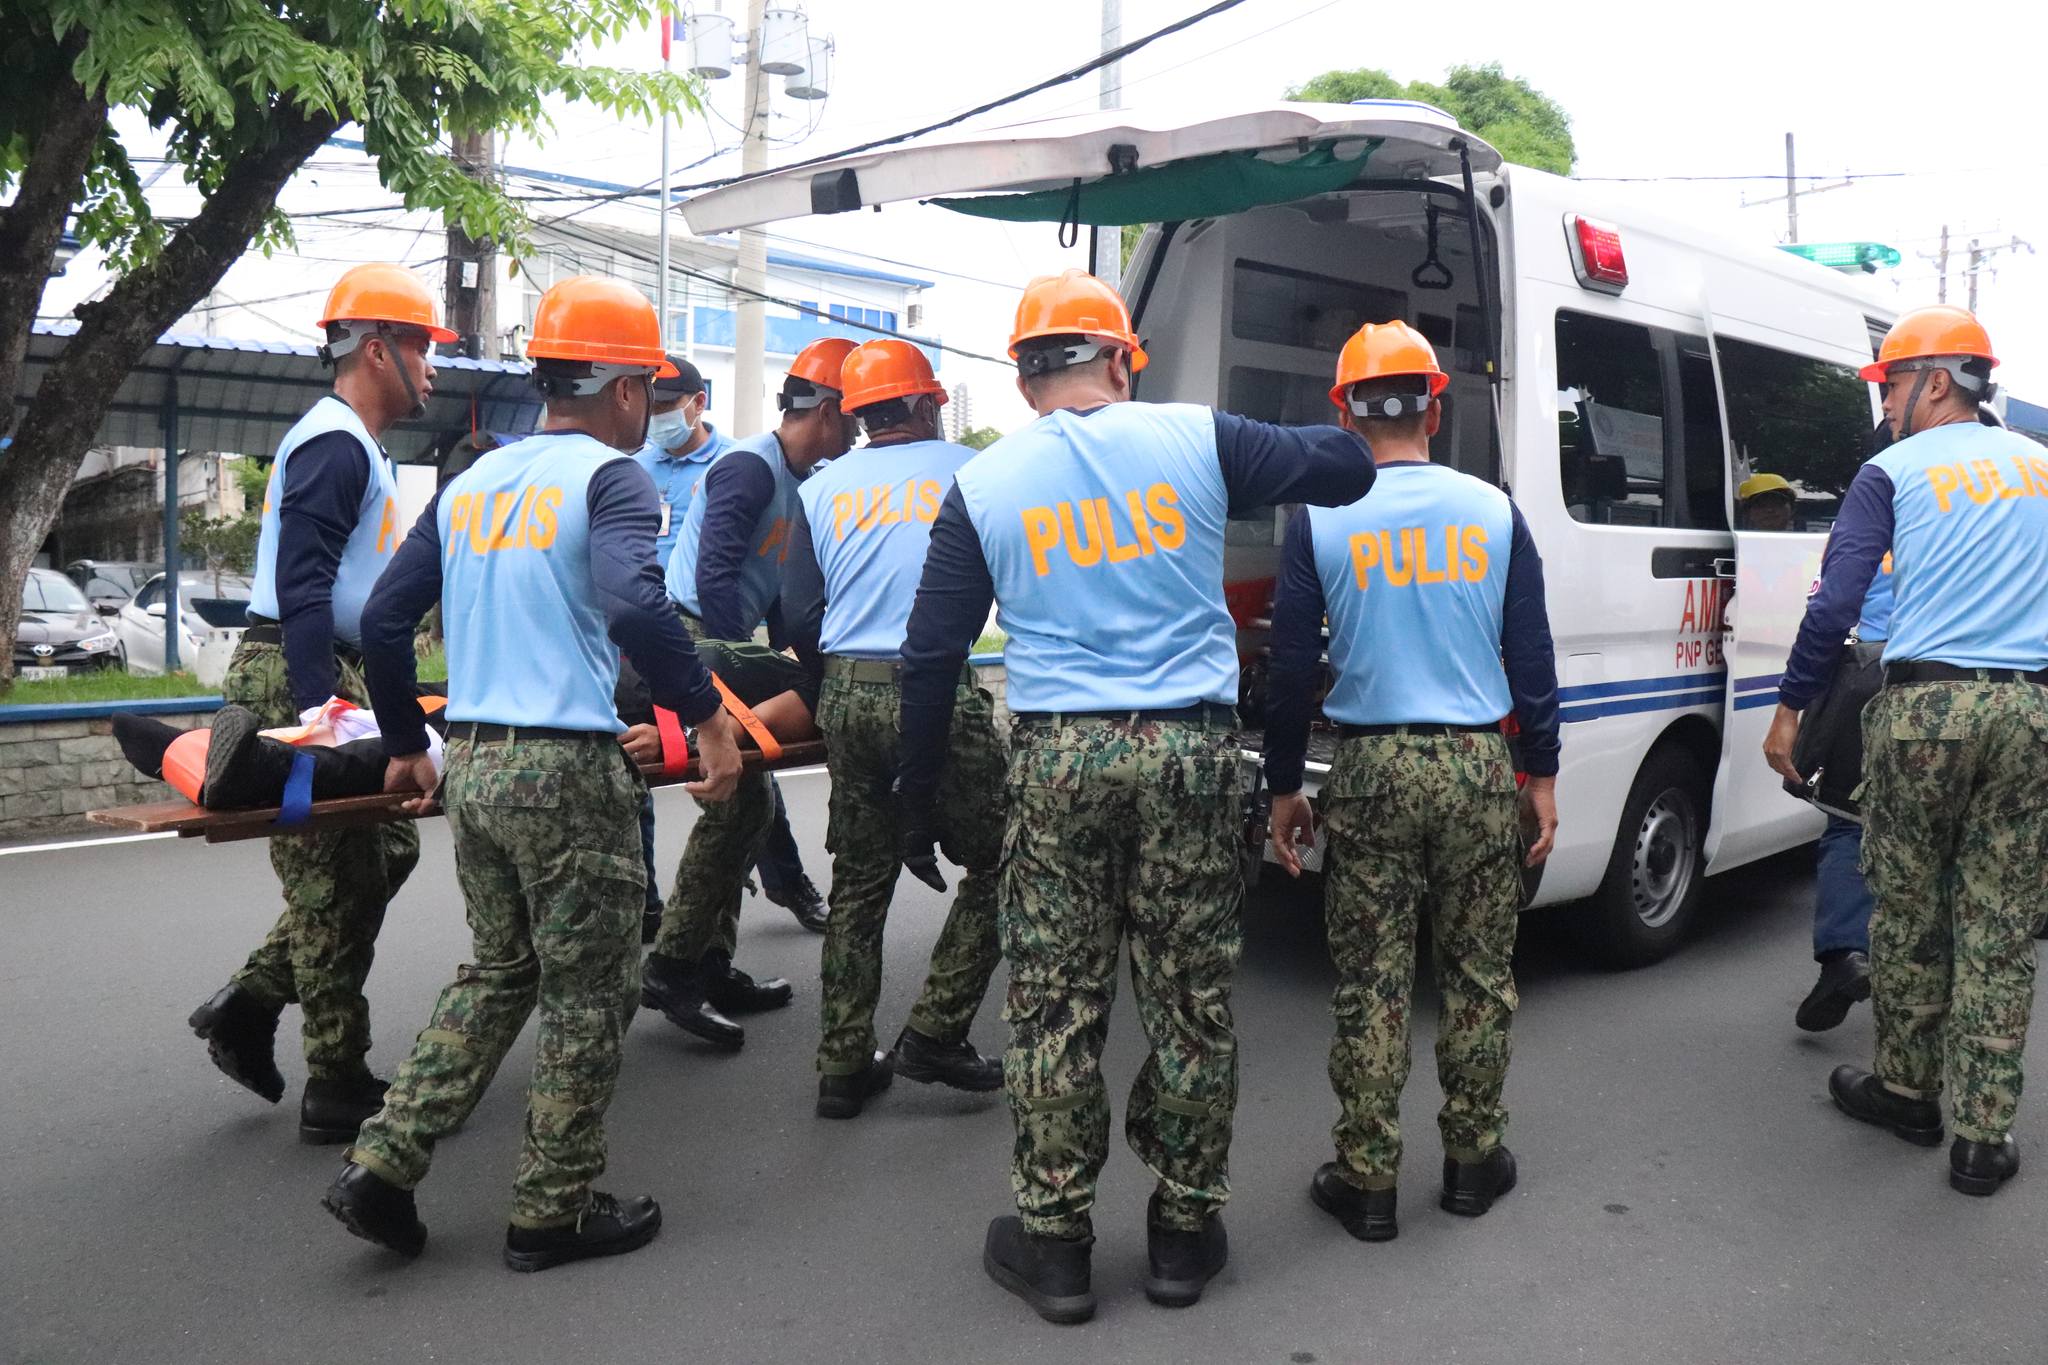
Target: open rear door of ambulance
1116 167
1797 421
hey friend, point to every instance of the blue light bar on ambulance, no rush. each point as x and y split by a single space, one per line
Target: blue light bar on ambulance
1867 257
1596 253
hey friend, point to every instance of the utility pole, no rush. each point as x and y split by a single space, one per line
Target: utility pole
469 287
661 268
1791 195
1108 262
750 275
1941 268
1981 254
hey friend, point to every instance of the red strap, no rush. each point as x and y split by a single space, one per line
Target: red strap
675 745
768 744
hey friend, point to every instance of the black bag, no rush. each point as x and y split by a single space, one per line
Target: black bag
1829 749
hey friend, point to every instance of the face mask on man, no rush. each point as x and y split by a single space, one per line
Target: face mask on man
669 429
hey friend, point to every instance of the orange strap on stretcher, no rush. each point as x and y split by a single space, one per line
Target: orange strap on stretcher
768 744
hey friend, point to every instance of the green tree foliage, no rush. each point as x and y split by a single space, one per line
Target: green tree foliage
218 545
1527 126
980 438
240 93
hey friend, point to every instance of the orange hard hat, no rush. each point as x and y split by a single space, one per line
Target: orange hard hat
384 293
1074 303
604 322
821 361
877 371
1941 329
1385 350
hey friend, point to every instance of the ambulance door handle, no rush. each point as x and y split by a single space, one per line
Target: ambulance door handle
1725 568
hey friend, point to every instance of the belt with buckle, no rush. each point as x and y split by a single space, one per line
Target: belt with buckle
1419 727
863 670
1928 670
264 631
490 732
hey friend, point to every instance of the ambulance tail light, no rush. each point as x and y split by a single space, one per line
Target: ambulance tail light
1596 253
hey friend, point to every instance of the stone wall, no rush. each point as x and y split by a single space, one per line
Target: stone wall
53 771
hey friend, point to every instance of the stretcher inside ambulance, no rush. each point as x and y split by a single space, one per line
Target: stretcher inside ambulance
1620 374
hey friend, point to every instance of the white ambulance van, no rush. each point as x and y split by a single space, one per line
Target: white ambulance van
1620 374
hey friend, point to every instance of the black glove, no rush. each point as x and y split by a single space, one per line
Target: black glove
917 844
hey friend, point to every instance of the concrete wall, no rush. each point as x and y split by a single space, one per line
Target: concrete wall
53 771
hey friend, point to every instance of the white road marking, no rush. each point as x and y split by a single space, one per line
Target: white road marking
87 843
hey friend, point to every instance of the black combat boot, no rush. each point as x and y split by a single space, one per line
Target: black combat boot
801 898
1981 1167
843 1097
331 1111
676 988
1844 980
1470 1187
608 1227
1180 1263
241 770
1049 1273
1367 1215
732 991
143 742
376 1210
241 1037
1862 1096
928 1061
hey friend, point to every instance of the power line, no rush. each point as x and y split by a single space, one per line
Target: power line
1121 86
817 312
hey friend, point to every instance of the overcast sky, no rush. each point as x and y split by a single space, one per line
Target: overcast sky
1951 99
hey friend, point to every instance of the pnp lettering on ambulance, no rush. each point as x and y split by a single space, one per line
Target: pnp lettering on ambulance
519 524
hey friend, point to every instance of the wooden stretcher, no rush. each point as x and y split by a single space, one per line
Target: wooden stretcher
223 826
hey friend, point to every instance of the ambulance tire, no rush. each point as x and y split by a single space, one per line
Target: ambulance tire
1646 902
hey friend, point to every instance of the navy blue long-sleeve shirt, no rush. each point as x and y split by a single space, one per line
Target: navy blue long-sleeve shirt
322 498
624 516
1527 655
803 608
1857 545
1262 465
736 491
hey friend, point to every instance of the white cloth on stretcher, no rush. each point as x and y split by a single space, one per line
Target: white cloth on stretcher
337 721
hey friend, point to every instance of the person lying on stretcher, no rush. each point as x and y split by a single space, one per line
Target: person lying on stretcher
239 765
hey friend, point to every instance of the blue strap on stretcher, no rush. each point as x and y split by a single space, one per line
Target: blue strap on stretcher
298 791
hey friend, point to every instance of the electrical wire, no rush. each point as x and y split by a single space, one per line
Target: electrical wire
817 312
1121 85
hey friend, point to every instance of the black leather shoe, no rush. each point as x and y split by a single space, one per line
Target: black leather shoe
1862 1096
331 1111
676 988
843 1097
1842 983
1981 1167
1470 1187
376 1210
801 900
929 1062
241 1037
1180 1263
1049 1273
1367 1215
608 1227
732 991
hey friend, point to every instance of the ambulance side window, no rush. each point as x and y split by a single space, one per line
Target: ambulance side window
1798 429
1705 506
1610 421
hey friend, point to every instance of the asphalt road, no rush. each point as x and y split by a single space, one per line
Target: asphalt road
1687 1192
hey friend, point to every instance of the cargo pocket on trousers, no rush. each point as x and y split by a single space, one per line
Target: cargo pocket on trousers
610 891
1041 788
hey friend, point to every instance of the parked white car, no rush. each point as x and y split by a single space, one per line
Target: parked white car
213 611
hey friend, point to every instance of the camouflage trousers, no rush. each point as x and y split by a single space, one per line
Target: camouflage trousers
1954 846
1120 832
860 721
336 886
547 849
1418 821
703 909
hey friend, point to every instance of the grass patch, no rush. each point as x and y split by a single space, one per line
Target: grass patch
108 684
433 665
991 643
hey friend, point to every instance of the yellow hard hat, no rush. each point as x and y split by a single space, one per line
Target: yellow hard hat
1757 484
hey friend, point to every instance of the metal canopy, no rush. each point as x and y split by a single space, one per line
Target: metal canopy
240 397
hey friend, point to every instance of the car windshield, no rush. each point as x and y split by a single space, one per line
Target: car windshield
50 592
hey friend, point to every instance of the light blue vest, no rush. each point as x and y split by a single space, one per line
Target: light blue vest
676 481
871 515
1103 532
1414 579
1969 548
1875 622
768 541
526 634
370 546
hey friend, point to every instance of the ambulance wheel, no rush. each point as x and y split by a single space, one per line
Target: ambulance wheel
1646 901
